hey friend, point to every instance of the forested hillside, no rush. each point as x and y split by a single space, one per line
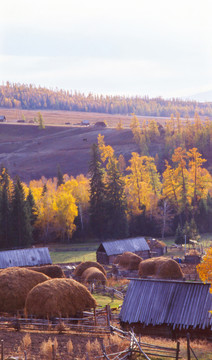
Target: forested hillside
23 96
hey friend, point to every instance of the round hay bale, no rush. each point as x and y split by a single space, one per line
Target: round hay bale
85 265
58 298
116 261
160 268
15 283
169 269
147 267
92 274
129 260
53 271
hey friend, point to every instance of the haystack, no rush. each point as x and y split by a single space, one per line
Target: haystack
193 252
129 260
58 298
53 271
160 268
85 265
93 275
15 283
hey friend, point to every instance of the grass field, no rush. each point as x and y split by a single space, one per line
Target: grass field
103 300
61 257
65 253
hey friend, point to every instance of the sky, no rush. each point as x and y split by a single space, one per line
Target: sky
131 48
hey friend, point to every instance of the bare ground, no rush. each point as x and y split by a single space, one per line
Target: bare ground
31 153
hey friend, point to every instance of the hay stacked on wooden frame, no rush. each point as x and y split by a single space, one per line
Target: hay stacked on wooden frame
59 298
93 275
129 260
160 268
15 284
53 271
85 265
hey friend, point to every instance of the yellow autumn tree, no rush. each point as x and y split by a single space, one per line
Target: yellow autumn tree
66 211
142 184
106 151
204 269
199 178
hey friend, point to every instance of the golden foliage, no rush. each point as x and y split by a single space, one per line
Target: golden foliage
205 268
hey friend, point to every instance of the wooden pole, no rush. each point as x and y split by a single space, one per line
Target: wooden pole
178 350
2 349
25 355
95 320
53 353
188 347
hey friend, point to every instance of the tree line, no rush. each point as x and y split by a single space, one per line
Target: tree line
115 201
22 96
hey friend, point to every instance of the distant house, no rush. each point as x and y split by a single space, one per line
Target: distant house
25 257
167 308
85 122
108 250
3 118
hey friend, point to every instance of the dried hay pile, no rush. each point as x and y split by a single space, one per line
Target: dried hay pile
92 274
58 298
53 271
193 252
160 268
85 265
154 243
15 284
129 260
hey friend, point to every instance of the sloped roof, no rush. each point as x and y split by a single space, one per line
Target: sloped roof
25 257
117 247
175 303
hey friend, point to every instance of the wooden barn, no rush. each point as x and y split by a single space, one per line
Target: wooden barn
25 257
168 308
108 250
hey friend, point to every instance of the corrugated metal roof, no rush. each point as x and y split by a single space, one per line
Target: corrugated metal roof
25 257
157 302
120 246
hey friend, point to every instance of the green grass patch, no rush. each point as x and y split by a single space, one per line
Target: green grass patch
104 300
61 257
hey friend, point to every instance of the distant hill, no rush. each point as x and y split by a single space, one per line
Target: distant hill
205 96
31 153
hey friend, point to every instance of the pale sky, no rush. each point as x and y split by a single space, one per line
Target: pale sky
152 47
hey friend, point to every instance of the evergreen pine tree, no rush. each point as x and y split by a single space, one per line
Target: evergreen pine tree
5 228
21 222
117 226
31 207
44 189
60 180
97 194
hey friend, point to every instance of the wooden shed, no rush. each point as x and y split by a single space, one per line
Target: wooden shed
108 250
25 257
167 308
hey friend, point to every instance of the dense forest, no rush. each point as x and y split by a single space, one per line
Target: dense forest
30 97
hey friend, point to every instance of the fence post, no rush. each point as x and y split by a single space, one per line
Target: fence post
95 320
53 353
108 314
188 347
2 349
25 355
178 350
